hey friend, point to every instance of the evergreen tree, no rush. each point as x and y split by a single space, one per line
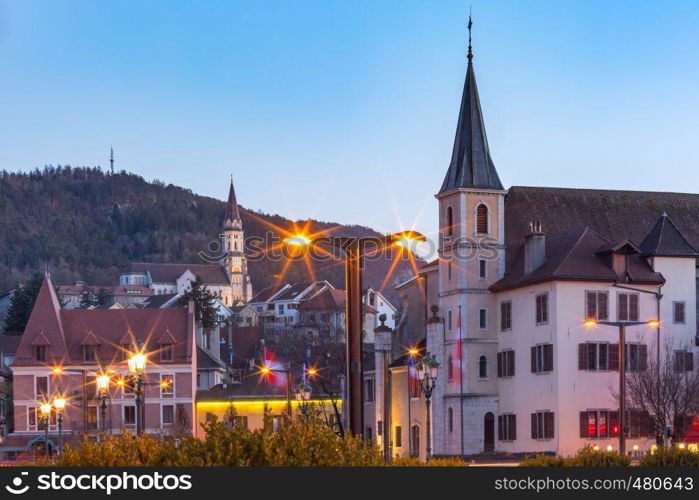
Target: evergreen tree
87 299
203 298
21 305
102 296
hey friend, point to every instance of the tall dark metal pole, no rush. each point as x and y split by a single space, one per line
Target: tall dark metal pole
60 433
622 390
353 332
139 404
429 430
46 436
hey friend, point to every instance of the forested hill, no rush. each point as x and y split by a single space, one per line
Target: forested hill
88 225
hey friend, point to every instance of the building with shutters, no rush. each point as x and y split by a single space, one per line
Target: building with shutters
503 307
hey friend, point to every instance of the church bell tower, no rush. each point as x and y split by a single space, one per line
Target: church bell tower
233 246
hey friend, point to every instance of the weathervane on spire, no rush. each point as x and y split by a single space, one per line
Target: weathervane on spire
470 24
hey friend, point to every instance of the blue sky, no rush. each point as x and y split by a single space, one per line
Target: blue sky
345 110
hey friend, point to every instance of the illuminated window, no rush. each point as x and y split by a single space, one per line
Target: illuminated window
167 385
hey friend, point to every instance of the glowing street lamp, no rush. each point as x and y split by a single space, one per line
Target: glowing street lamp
621 325
103 380
353 249
45 410
138 361
59 403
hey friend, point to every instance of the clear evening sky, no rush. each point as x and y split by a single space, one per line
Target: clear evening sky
345 110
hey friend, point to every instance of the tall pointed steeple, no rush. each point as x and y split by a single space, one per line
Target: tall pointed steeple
232 219
471 165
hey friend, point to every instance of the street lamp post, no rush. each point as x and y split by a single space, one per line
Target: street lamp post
137 367
45 410
621 325
103 388
59 404
353 249
427 371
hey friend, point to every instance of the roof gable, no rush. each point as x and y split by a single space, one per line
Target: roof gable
666 240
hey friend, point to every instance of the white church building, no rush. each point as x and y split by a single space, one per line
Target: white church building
228 278
519 272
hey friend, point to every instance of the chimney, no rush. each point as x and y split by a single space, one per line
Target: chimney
534 248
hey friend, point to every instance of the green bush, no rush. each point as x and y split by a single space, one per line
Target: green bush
588 457
302 442
543 461
435 462
585 457
670 457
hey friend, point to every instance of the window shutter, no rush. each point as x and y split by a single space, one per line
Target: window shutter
603 306
582 356
513 427
548 357
613 357
499 364
689 362
500 427
511 364
534 436
591 312
583 424
548 424
633 307
643 355
545 308
623 307
533 355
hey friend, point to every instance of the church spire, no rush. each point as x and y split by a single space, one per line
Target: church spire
232 219
471 165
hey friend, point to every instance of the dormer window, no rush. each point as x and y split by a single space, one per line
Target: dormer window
40 353
166 353
90 353
482 219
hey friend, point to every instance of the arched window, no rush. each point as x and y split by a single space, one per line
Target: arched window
415 440
450 369
482 219
483 367
450 221
450 420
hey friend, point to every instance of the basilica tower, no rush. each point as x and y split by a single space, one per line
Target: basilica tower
471 258
233 246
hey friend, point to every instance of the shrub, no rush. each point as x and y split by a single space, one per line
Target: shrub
543 461
302 442
670 457
588 457
435 462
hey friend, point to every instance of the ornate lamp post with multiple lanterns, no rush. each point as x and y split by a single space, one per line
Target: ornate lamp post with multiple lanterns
427 371
138 361
59 403
103 381
45 410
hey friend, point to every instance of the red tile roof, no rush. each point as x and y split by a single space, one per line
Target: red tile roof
66 330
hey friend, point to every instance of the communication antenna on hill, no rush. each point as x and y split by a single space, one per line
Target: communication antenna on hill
111 159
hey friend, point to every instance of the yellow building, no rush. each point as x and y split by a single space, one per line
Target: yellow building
247 402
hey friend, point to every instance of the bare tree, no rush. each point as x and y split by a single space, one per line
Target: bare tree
667 391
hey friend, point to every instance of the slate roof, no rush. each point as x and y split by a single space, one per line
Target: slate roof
213 274
614 215
575 255
666 240
232 218
471 165
157 301
206 361
252 386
